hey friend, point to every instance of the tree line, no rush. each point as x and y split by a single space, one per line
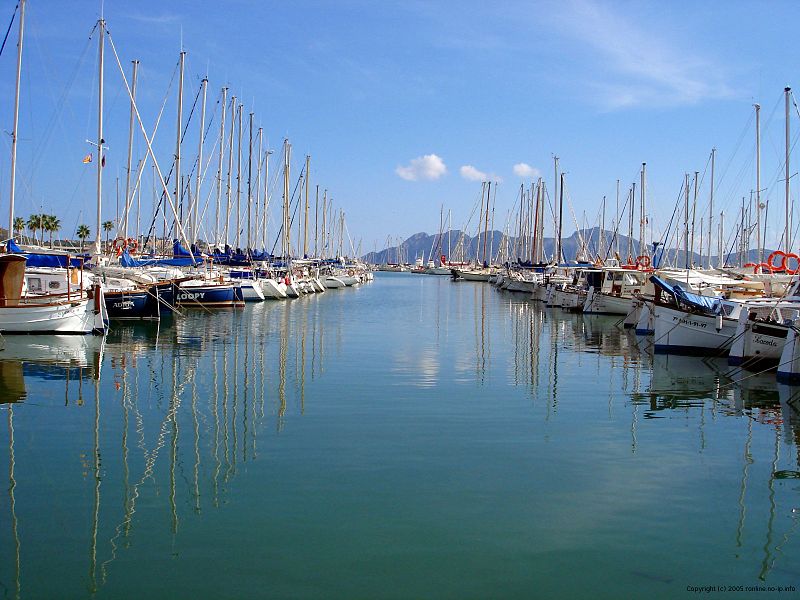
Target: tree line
39 224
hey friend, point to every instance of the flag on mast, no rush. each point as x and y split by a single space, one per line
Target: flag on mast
87 158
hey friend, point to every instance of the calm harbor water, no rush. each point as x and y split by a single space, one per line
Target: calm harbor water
411 438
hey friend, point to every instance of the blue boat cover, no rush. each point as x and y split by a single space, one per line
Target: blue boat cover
54 261
126 260
706 304
178 250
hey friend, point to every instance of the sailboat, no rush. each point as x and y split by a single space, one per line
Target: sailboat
81 312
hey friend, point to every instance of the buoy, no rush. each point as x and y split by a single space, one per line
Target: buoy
785 263
779 266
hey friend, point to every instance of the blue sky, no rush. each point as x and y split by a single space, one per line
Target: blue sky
370 89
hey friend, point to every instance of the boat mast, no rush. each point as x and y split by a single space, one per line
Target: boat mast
229 188
100 141
316 226
786 241
560 216
265 205
759 250
128 199
632 198
239 178
617 229
305 226
486 226
249 181
286 238
643 212
555 195
259 158
16 118
324 221
686 225
711 206
219 162
196 204
178 198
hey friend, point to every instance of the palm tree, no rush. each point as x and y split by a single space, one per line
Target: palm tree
51 224
83 233
19 225
107 227
34 224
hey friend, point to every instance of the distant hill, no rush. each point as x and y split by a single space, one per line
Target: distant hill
429 246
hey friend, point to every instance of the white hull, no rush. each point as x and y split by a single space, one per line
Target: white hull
645 324
756 344
789 364
330 282
348 280
474 275
251 291
273 289
686 333
634 312
603 304
76 317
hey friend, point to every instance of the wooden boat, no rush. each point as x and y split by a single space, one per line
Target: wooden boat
79 312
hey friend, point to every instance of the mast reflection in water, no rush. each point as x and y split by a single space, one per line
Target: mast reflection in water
338 444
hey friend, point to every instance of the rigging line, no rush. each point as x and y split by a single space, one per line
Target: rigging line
10 23
167 180
142 162
738 145
60 105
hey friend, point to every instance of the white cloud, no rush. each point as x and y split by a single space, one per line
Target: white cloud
634 66
525 170
471 173
427 167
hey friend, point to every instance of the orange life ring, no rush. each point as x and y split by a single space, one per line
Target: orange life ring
132 245
779 266
761 268
120 244
785 266
643 261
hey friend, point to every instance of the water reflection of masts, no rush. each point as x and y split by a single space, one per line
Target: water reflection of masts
282 352
554 333
234 409
769 560
12 505
215 411
174 446
196 449
125 421
480 337
748 460
96 512
245 394
150 460
225 387
303 365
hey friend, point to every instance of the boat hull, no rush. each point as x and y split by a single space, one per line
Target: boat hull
208 296
679 332
131 304
78 317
